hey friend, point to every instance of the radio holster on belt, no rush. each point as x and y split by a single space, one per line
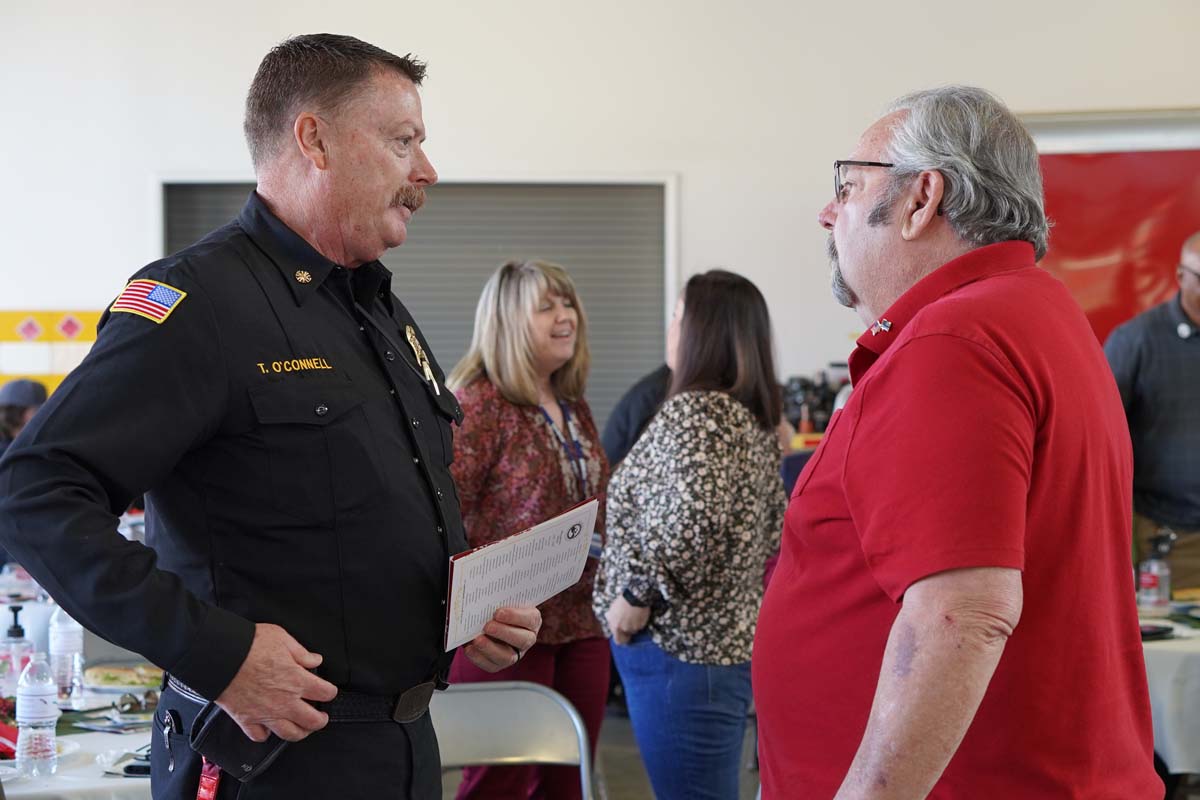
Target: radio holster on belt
218 738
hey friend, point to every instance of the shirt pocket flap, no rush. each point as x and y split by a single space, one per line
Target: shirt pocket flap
288 404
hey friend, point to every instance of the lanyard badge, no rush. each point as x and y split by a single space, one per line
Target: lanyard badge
422 359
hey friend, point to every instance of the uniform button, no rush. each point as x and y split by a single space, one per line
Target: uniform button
416 460
389 355
392 392
439 528
361 328
416 423
322 410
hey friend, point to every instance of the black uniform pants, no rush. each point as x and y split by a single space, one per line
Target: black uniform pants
344 761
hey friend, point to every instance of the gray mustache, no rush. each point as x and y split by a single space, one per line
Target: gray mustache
411 196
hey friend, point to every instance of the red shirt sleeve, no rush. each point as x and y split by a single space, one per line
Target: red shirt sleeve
938 469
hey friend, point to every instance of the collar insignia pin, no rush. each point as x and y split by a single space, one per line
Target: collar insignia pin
880 326
1184 330
303 276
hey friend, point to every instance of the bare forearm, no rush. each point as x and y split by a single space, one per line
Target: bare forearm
939 660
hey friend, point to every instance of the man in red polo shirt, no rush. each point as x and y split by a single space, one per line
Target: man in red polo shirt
953 613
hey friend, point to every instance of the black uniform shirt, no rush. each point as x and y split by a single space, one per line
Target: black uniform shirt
1155 358
295 461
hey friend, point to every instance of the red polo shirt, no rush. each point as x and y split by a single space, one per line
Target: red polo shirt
985 430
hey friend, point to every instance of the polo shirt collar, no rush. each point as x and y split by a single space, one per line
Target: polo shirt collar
1178 315
979 263
302 267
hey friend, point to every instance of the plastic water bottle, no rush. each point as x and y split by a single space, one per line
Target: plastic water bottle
66 654
1154 577
37 715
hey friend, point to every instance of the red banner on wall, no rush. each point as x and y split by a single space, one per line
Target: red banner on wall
1119 221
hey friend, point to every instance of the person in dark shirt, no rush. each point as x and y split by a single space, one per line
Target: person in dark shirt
278 405
633 413
1155 358
19 401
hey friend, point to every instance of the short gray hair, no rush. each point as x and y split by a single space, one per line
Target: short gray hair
986 156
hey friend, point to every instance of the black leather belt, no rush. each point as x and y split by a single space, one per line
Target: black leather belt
408 706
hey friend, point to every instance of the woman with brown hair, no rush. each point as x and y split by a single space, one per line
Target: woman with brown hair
694 511
528 450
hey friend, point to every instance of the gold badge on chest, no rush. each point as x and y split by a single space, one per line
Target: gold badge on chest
422 359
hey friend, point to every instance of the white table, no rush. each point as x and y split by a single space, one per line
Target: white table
1173 670
79 777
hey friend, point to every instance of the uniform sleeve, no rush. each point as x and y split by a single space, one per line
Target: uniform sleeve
1121 350
145 395
691 501
477 449
939 462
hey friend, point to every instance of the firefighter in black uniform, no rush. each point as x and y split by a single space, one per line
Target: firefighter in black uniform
291 429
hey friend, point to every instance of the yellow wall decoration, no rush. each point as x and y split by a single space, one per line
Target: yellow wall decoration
44 345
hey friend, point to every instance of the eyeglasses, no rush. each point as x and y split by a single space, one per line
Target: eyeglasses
1191 272
837 173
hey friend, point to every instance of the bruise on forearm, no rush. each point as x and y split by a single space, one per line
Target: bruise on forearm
906 650
940 656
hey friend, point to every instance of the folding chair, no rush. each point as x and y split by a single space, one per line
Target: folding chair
503 723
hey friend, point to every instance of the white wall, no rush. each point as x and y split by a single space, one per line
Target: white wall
747 105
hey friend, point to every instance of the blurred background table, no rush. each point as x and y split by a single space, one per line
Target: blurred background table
79 777
1173 671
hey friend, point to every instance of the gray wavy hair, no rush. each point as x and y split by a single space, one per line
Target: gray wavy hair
986 156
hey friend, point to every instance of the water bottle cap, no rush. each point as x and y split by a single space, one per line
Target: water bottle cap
15 631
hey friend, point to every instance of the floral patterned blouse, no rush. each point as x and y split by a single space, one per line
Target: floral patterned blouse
694 511
512 473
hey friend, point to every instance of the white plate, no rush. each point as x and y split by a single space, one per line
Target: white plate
136 690
108 688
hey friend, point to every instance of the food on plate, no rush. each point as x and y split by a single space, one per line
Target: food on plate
140 675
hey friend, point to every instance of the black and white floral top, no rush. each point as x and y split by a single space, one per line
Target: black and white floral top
694 511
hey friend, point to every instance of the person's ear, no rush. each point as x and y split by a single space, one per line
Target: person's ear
312 139
922 204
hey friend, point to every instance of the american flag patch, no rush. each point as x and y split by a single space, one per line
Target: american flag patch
149 299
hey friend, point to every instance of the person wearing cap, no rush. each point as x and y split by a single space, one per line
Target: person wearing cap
19 401
1155 358
283 413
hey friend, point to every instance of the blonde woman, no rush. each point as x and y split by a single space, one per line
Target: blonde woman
527 450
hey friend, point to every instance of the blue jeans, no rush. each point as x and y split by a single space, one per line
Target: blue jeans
689 720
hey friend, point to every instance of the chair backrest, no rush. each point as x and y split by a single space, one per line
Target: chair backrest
510 722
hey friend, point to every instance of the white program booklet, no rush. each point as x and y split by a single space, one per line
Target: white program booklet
524 569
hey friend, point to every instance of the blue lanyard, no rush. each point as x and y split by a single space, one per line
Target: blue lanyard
573 448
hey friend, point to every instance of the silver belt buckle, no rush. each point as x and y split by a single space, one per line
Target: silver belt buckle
414 702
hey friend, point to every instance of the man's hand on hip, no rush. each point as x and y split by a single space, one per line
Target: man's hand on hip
268 693
511 631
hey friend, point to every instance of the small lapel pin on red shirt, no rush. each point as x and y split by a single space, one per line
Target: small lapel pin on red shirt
880 326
